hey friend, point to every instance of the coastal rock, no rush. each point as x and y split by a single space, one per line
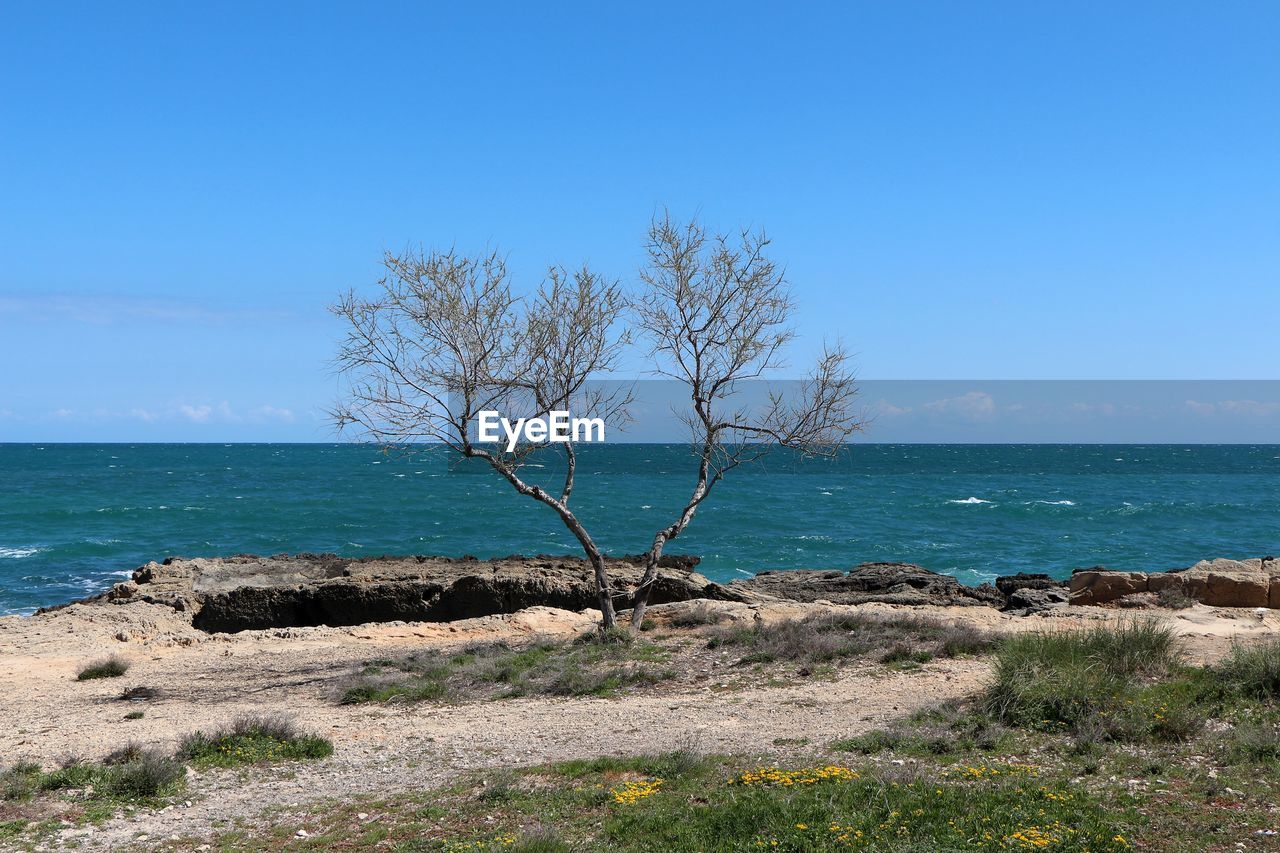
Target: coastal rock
1217 583
1028 600
1009 584
1231 583
1100 585
288 591
889 583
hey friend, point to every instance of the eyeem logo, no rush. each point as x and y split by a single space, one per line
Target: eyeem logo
557 427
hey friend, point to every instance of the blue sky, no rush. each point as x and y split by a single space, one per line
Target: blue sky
1012 190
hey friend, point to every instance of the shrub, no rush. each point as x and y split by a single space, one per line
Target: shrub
253 739
152 774
1252 741
1174 599
960 640
1252 670
112 667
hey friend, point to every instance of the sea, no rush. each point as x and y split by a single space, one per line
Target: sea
76 518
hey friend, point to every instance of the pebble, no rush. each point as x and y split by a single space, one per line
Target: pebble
301 833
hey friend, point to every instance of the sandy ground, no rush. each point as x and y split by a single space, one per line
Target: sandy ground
206 680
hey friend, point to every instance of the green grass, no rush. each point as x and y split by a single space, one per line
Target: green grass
592 665
1078 678
1193 751
252 740
112 667
946 730
684 801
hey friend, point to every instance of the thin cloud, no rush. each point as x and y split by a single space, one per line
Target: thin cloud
196 414
192 413
973 406
884 407
1246 408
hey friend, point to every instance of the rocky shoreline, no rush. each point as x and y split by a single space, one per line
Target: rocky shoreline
249 592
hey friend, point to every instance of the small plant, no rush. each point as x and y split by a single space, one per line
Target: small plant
19 782
540 840
696 616
253 739
112 667
135 715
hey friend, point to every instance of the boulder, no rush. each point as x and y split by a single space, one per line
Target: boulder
1099 585
1228 583
1029 600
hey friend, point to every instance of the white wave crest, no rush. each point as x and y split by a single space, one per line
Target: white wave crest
17 553
970 501
1057 503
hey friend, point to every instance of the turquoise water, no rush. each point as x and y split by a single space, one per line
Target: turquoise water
76 518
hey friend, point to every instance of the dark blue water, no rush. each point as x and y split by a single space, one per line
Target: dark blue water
76 518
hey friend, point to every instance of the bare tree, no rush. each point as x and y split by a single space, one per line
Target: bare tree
716 313
446 338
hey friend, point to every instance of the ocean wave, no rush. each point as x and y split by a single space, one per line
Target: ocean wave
1056 503
18 553
970 501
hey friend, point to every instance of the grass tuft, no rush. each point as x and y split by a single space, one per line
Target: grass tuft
1066 677
1253 669
112 667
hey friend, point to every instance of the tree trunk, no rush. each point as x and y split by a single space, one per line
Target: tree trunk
608 619
641 600
604 589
